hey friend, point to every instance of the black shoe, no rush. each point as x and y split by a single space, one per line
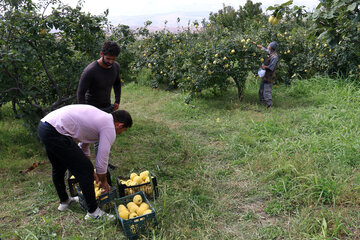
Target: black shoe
268 106
112 167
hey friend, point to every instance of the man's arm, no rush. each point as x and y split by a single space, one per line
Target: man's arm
83 86
117 89
106 139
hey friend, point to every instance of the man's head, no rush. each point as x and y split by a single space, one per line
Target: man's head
122 120
109 52
272 46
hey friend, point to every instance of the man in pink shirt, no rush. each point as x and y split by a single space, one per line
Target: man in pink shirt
60 131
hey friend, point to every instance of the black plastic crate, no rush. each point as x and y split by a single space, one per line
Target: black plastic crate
105 201
139 225
125 190
73 182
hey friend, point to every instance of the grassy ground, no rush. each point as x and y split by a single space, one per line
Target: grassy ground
226 170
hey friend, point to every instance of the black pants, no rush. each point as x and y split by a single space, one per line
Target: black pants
64 154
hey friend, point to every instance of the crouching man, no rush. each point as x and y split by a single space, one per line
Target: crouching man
60 131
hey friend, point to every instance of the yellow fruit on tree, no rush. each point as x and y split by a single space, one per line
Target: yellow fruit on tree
232 51
132 175
275 21
271 19
137 199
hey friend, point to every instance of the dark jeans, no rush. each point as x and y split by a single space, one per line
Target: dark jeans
265 93
64 154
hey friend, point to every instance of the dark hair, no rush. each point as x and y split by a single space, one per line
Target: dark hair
124 117
110 48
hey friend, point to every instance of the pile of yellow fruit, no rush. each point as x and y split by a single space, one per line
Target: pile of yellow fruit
135 180
97 189
134 209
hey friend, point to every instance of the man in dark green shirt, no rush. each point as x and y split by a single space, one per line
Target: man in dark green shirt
99 77
97 80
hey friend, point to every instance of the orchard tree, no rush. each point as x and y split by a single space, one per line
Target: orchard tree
337 25
42 54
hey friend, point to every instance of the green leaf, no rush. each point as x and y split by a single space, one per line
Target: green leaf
352 7
287 3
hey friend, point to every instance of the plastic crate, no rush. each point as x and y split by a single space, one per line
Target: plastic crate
139 225
105 201
73 182
124 190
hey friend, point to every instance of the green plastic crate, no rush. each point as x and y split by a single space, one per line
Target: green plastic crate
139 225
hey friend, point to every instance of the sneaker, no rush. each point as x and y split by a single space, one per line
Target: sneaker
98 213
65 205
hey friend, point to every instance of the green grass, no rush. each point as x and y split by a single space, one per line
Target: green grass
226 169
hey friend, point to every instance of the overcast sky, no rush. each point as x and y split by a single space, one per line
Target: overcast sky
125 8
148 7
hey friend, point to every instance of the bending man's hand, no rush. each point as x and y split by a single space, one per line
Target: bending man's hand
116 106
103 182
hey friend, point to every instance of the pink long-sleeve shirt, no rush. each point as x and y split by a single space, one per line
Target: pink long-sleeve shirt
86 124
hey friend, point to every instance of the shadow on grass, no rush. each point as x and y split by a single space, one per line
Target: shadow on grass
250 101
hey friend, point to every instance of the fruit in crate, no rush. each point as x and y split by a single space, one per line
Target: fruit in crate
134 209
135 179
97 189
137 199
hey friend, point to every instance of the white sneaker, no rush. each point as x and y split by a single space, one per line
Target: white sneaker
98 213
65 205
